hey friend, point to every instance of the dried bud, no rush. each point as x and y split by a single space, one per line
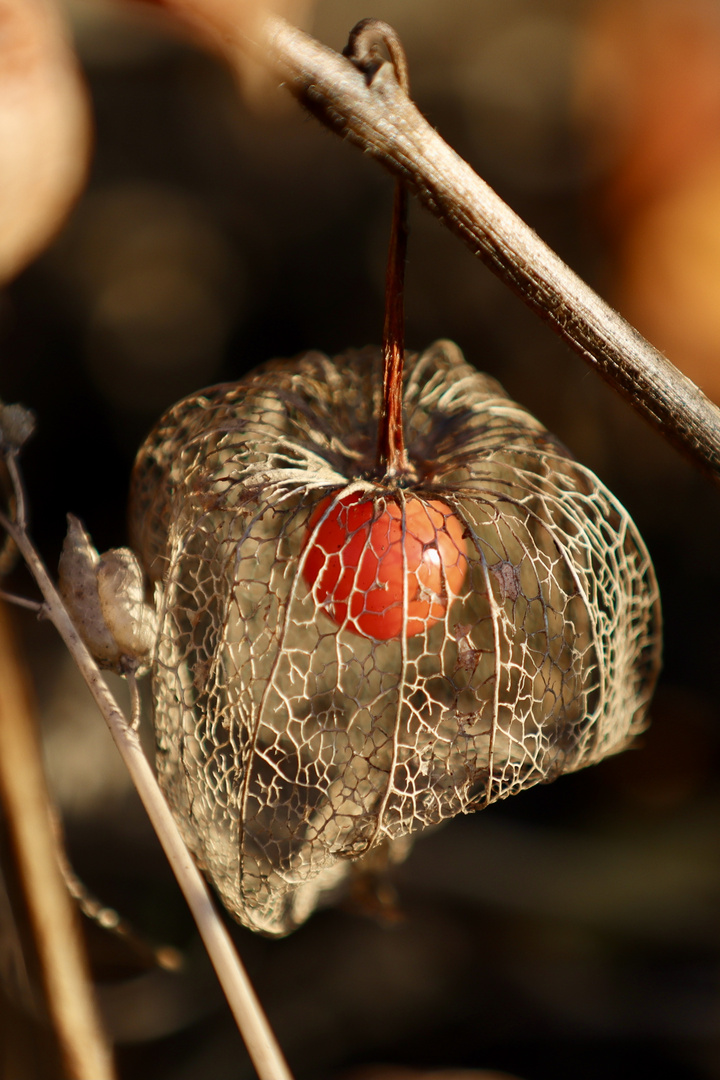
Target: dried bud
121 591
105 598
17 424
77 571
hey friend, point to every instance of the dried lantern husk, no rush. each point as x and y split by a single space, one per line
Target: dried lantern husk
289 745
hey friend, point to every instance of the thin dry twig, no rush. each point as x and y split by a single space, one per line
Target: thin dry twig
164 956
62 959
259 1038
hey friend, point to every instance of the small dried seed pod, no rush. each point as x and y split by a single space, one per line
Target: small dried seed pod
121 591
345 658
105 598
77 573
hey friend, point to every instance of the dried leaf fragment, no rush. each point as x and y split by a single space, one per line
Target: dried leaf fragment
44 130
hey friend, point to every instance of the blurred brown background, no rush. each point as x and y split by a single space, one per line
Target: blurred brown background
571 932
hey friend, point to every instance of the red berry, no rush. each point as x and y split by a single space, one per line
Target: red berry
361 566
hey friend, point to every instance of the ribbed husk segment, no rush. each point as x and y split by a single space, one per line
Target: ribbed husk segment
290 746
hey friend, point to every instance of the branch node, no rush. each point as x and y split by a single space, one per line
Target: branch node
363 48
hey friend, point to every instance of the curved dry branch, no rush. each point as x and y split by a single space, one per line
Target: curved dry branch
375 113
371 110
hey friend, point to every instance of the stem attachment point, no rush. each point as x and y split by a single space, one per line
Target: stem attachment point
363 47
